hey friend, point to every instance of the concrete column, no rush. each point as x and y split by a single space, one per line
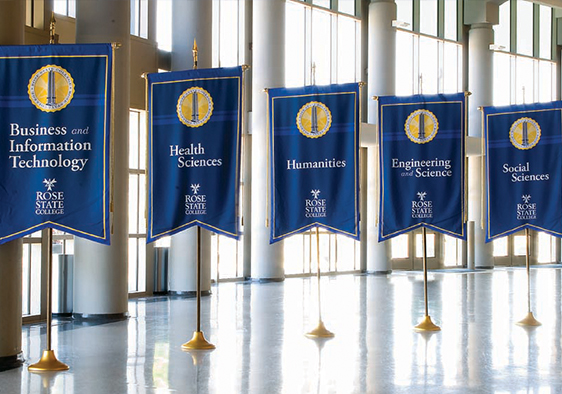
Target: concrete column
190 20
480 82
10 312
268 72
12 24
100 272
382 56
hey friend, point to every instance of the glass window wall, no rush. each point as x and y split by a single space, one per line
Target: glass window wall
137 201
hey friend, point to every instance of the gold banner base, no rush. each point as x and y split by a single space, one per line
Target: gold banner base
320 332
198 342
48 362
427 325
529 320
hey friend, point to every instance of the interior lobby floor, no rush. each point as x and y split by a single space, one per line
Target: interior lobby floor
258 330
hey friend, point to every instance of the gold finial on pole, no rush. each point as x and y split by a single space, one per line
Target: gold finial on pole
194 50
52 35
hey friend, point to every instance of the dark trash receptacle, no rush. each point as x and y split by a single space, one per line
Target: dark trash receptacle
161 270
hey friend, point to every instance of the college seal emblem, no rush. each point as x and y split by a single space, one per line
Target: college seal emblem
421 126
51 88
524 133
195 107
314 119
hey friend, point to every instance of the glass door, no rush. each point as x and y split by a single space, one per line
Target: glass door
510 251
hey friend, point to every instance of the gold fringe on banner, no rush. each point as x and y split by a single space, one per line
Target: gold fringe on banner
483 176
466 161
377 168
268 153
361 84
114 47
146 166
378 190
245 67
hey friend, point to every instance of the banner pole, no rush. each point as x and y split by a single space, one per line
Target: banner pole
426 324
528 320
320 331
48 361
198 341
219 257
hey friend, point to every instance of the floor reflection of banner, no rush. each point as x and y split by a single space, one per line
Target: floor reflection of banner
54 146
195 124
314 134
523 146
422 164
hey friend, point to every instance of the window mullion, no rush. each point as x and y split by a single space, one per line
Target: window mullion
441 18
536 30
416 16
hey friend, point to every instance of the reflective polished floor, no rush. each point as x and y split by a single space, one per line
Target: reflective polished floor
258 330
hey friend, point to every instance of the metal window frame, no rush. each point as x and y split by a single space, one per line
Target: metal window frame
137 235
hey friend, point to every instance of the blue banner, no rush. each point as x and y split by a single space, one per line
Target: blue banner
314 150
422 164
523 147
195 125
55 105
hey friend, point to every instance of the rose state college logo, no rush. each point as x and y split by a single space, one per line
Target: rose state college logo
314 119
524 133
195 203
422 208
51 88
421 126
49 202
526 210
315 207
195 107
